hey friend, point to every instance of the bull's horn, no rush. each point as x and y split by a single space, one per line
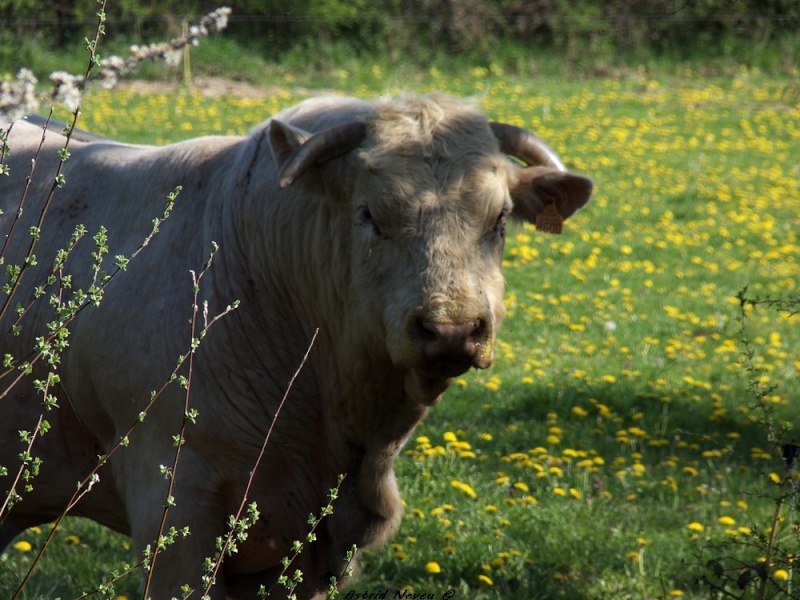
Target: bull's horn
529 148
322 147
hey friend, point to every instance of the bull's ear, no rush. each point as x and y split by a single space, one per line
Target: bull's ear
297 151
283 139
537 187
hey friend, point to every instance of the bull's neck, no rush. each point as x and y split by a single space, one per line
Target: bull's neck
292 262
287 258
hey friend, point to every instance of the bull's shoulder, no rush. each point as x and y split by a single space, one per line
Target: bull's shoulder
321 112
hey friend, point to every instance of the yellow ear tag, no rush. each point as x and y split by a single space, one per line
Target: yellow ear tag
549 221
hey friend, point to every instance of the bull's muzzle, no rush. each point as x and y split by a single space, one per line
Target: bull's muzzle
450 349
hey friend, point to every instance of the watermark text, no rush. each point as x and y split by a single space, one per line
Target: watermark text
402 594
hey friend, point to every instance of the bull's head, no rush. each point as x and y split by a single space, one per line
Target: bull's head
429 197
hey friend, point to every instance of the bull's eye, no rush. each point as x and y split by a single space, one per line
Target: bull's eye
364 218
500 225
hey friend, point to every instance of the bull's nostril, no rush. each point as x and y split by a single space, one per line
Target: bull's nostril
427 331
479 332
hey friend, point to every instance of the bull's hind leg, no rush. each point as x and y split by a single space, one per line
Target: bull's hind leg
67 455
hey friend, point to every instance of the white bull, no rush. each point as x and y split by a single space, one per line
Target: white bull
380 224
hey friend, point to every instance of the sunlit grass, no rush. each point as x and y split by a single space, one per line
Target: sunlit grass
614 439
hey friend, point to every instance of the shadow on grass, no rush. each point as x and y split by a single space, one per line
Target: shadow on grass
690 423
587 548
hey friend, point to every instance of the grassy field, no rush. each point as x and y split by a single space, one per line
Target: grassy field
615 450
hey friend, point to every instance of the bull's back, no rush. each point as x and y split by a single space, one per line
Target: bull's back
112 188
120 189
92 180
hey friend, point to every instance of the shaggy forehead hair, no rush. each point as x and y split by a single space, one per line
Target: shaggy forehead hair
432 153
430 126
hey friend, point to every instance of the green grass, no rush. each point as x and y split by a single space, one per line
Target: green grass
316 62
617 412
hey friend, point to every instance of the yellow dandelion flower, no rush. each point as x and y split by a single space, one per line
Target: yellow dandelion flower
695 526
676 593
781 574
603 410
490 508
521 486
575 493
579 411
449 436
23 546
727 521
486 580
775 478
72 540
464 487
559 491
433 567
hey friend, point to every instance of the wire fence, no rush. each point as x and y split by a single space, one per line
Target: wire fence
600 21
453 26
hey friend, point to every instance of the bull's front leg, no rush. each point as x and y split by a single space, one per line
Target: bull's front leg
248 587
180 547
